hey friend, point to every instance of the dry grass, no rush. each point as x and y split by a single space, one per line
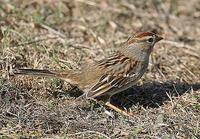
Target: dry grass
60 34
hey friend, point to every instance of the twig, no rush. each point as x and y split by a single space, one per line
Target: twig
191 50
79 46
89 132
35 41
178 44
189 71
91 3
192 53
88 2
53 31
171 100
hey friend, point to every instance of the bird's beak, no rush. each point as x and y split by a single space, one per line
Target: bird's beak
158 38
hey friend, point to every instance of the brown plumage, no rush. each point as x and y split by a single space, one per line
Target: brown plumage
112 74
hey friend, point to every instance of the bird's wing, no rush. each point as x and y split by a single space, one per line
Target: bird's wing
118 70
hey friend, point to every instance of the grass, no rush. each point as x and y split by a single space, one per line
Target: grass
66 34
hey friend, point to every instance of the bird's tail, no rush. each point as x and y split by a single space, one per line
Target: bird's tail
68 76
35 72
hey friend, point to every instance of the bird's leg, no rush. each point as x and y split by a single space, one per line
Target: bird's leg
108 104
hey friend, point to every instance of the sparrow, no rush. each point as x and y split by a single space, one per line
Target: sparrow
111 75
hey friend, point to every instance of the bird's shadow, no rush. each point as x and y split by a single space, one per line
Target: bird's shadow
148 95
152 94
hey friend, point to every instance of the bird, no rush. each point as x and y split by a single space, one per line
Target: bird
110 75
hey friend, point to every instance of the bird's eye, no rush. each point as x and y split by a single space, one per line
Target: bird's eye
150 40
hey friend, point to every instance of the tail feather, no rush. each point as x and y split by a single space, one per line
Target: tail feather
69 76
36 72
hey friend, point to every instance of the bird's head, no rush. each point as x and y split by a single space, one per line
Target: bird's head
144 40
140 44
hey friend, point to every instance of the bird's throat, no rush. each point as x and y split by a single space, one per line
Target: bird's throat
136 54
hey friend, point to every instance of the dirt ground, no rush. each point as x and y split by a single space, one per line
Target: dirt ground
64 34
